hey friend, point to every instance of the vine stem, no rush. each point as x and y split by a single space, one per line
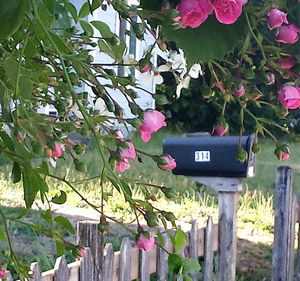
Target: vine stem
255 37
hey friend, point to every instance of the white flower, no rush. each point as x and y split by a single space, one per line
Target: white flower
155 75
184 83
195 71
128 59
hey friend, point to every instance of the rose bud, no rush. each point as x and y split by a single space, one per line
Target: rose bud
276 18
145 243
288 34
289 97
287 63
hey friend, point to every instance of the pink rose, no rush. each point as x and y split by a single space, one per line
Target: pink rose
128 153
239 91
57 151
287 63
222 129
284 155
82 252
193 12
152 122
122 166
145 243
289 97
270 79
288 34
171 163
276 18
227 11
2 272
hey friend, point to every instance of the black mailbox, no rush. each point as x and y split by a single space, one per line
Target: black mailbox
210 156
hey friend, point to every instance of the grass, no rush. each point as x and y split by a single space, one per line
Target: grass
194 201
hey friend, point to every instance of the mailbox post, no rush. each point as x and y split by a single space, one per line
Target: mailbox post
212 161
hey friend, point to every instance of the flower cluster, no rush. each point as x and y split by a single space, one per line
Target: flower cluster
195 12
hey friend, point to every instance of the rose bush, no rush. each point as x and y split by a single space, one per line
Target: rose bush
46 58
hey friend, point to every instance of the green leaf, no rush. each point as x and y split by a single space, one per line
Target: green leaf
65 223
211 40
191 266
114 183
7 141
72 9
86 27
180 237
29 189
96 4
60 247
60 199
85 10
16 173
47 216
160 238
2 235
151 5
175 262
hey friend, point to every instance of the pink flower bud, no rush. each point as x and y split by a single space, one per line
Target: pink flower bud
221 87
152 122
276 18
57 151
256 97
145 243
119 135
284 156
289 97
128 153
146 68
227 11
193 12
288 34
240 91
287 63
82 252
122 166
20 137
171 163
2 272
222 130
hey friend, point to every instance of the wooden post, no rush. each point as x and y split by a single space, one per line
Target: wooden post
229 189
108 268
89 236
228 205
282 238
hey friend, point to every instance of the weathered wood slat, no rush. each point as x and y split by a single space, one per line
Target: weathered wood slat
209 254
193 247
291 241
36 272
144 265
282 201
108 260
89 236
125 260
228 204
86 270
162 261
297 266
61 271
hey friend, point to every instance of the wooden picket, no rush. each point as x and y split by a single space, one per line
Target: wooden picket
130 263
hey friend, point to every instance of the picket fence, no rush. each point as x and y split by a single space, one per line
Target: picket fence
130 263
